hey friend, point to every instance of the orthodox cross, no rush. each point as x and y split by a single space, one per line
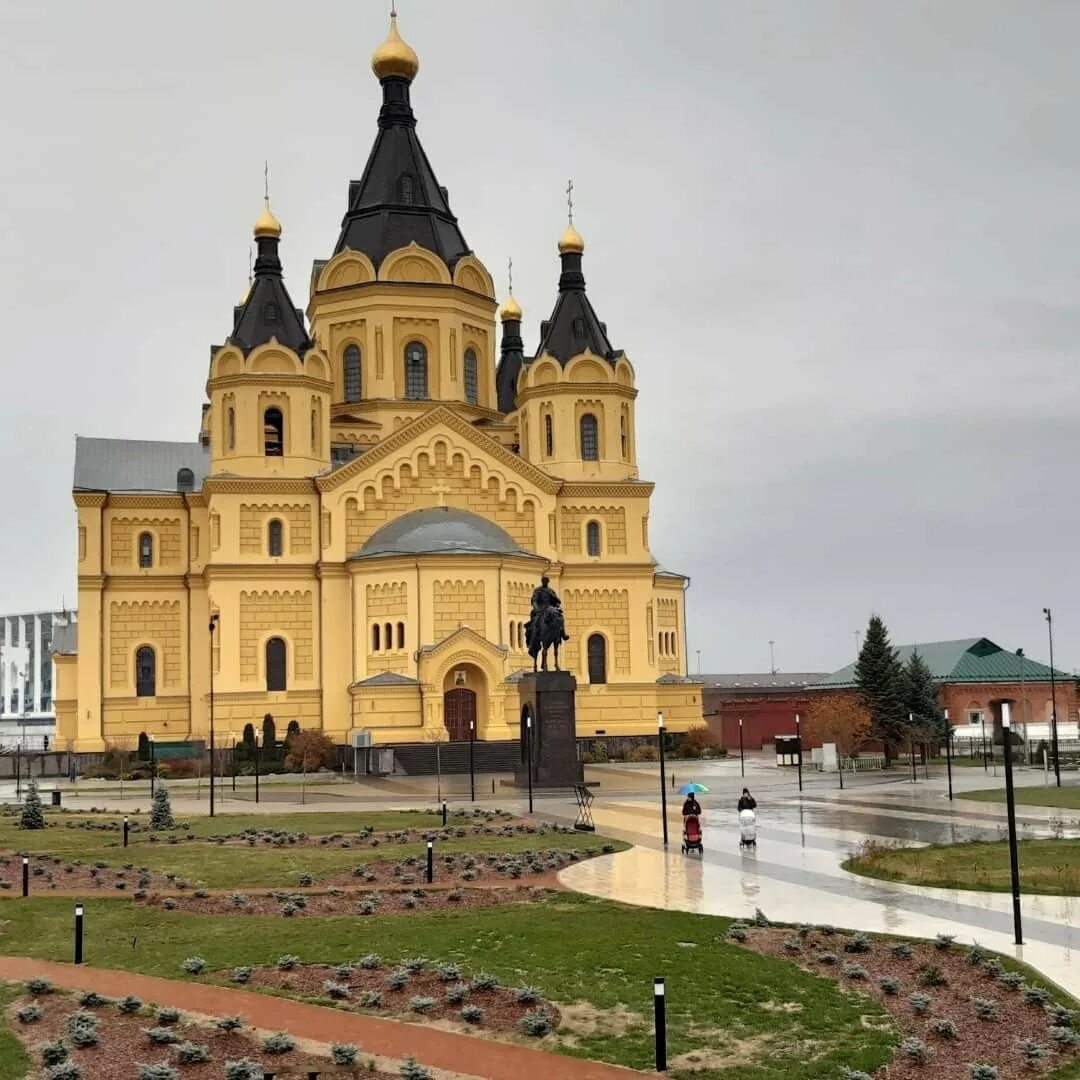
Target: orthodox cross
440 491
570 200
266 181
510 274
393 9
251 276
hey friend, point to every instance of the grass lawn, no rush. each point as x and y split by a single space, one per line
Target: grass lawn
1051 867
14 1063
762 1018
1067 798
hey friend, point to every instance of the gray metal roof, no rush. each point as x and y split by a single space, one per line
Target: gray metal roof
440 530
65 639
387 678
136 465
757 681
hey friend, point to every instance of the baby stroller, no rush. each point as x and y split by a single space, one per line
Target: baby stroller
691 835
747 829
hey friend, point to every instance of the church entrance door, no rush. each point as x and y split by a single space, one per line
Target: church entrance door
459 708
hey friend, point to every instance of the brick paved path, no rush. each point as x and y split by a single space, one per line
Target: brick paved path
388 1038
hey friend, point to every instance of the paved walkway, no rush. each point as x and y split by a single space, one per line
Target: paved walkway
794 874
464 1055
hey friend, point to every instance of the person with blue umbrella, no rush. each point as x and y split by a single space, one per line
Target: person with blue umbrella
691 791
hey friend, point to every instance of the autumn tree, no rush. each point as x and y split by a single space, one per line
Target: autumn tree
309 751
838 718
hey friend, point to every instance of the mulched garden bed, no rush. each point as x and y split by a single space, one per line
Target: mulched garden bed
123 1045
429 992
349 902
957 981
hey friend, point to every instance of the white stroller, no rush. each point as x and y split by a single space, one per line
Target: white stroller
747 829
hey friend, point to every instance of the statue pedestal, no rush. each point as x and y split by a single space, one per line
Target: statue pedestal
548 697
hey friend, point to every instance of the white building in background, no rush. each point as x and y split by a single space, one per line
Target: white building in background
27 711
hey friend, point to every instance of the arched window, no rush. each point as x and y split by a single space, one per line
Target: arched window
674 643
376 637
624 436
275 538
549 435
314 431
521 635
590 438
185 480
351 364
472 386
660 642
388 641
513 635
145 672
230 428
273 433
407 189
146 551
592 538
579 327
416 371
276 678
597 651
401 635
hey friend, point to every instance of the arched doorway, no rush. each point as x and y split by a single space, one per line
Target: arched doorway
459 711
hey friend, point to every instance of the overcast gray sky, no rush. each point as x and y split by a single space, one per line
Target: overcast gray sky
838 240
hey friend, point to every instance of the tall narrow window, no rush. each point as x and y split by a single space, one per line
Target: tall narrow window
389 641
624 437
472 385
276 678
314 431
376 637
401 635
146 551
273 433
549 436
590 438
407 189
352 373
592 538
230 428
275 538
597 650
145 672
185 480
416 386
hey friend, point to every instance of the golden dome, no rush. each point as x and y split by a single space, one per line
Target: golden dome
394 56
571 241
267 225
510 310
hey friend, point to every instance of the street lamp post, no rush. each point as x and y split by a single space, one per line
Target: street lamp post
153 765
742 756
948 751
798 739
1053 697
911 746
1023 705
213 627
982 721
663 780
472 759
232 736
1014 862
528 751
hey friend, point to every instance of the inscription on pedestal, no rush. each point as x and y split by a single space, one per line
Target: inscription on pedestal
548 697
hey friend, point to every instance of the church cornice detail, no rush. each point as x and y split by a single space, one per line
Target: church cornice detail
146 502
158 583
270 378
439 415
90 498
238 485
255 572
614 490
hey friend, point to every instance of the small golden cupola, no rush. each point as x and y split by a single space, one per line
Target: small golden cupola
395 57
267 224
571 242
510 311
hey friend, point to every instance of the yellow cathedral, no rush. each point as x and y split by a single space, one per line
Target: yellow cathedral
354 538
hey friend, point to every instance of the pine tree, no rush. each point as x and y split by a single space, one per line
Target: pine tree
33 814
921 700
161 811
879 677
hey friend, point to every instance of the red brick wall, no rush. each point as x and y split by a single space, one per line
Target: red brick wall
763 717
1030 702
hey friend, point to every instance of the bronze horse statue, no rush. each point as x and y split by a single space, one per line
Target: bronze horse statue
546 630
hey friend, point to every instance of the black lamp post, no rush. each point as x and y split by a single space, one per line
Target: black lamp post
472 759
1014 862
948 751
742 757
798 739
528 750
663 779
911 746
213 627
1053 697
257 771
153 765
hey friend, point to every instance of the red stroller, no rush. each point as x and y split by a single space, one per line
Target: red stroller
691 835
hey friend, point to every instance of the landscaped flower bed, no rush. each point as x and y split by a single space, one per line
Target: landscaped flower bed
416 989
108 1044
953 1006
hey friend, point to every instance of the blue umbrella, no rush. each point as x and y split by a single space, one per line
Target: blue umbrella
693 789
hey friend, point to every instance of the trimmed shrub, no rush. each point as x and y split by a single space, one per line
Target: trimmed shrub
483 981
194 965
189 1053
1059 1015
1063 1036
737 932
161 812
1032 1052
449 972
371 999
902 950
371 962
129 1005
856 972
1012 980
287 962
30 1014
397 979
305 880
244 1069
792 945
943 1028
415 964
230 1023
889 986
985 1008
920 1003
411 1069
281 1042
335 990
163 1036
853 1074
344 971
472 1014
981 1071
944 942
457 993
1035 995
827 958
66 1070
420 1004
39 987
344 1053
858 943
91 999
167 1014
932 975
82 1028
33 813
53 1053
536 1022
528 995
977 955
160 1071
916 1050
242 975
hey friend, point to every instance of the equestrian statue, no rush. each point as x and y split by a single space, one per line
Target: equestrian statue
545 628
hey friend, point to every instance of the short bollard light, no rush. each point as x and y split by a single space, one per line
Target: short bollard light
78 933
660 1023
444 815
430 862
125 832
26 875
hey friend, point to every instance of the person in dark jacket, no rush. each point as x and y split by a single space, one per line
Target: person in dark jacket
747 801
691 806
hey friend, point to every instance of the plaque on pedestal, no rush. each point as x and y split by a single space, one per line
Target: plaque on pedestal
548 697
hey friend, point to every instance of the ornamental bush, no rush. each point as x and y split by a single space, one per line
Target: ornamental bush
1063 1036
920 1003
161 1071
858 943
66 1070
889 986
916 1050
1032 1052
472 1014
335 990
411 1069
189 1053
484 981
30 1014
162 1036
161 816
230 1023
82 1028
371 999
39 987
371 962
280 1042
982 1071
167 1014
536 1022
244 1069
902 950
985 1008
1035 995
421 1004
91 999
287 962
943 1028
53 1053
856 972
344 1053
194 965
457 993
528 995
242 975
33 813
